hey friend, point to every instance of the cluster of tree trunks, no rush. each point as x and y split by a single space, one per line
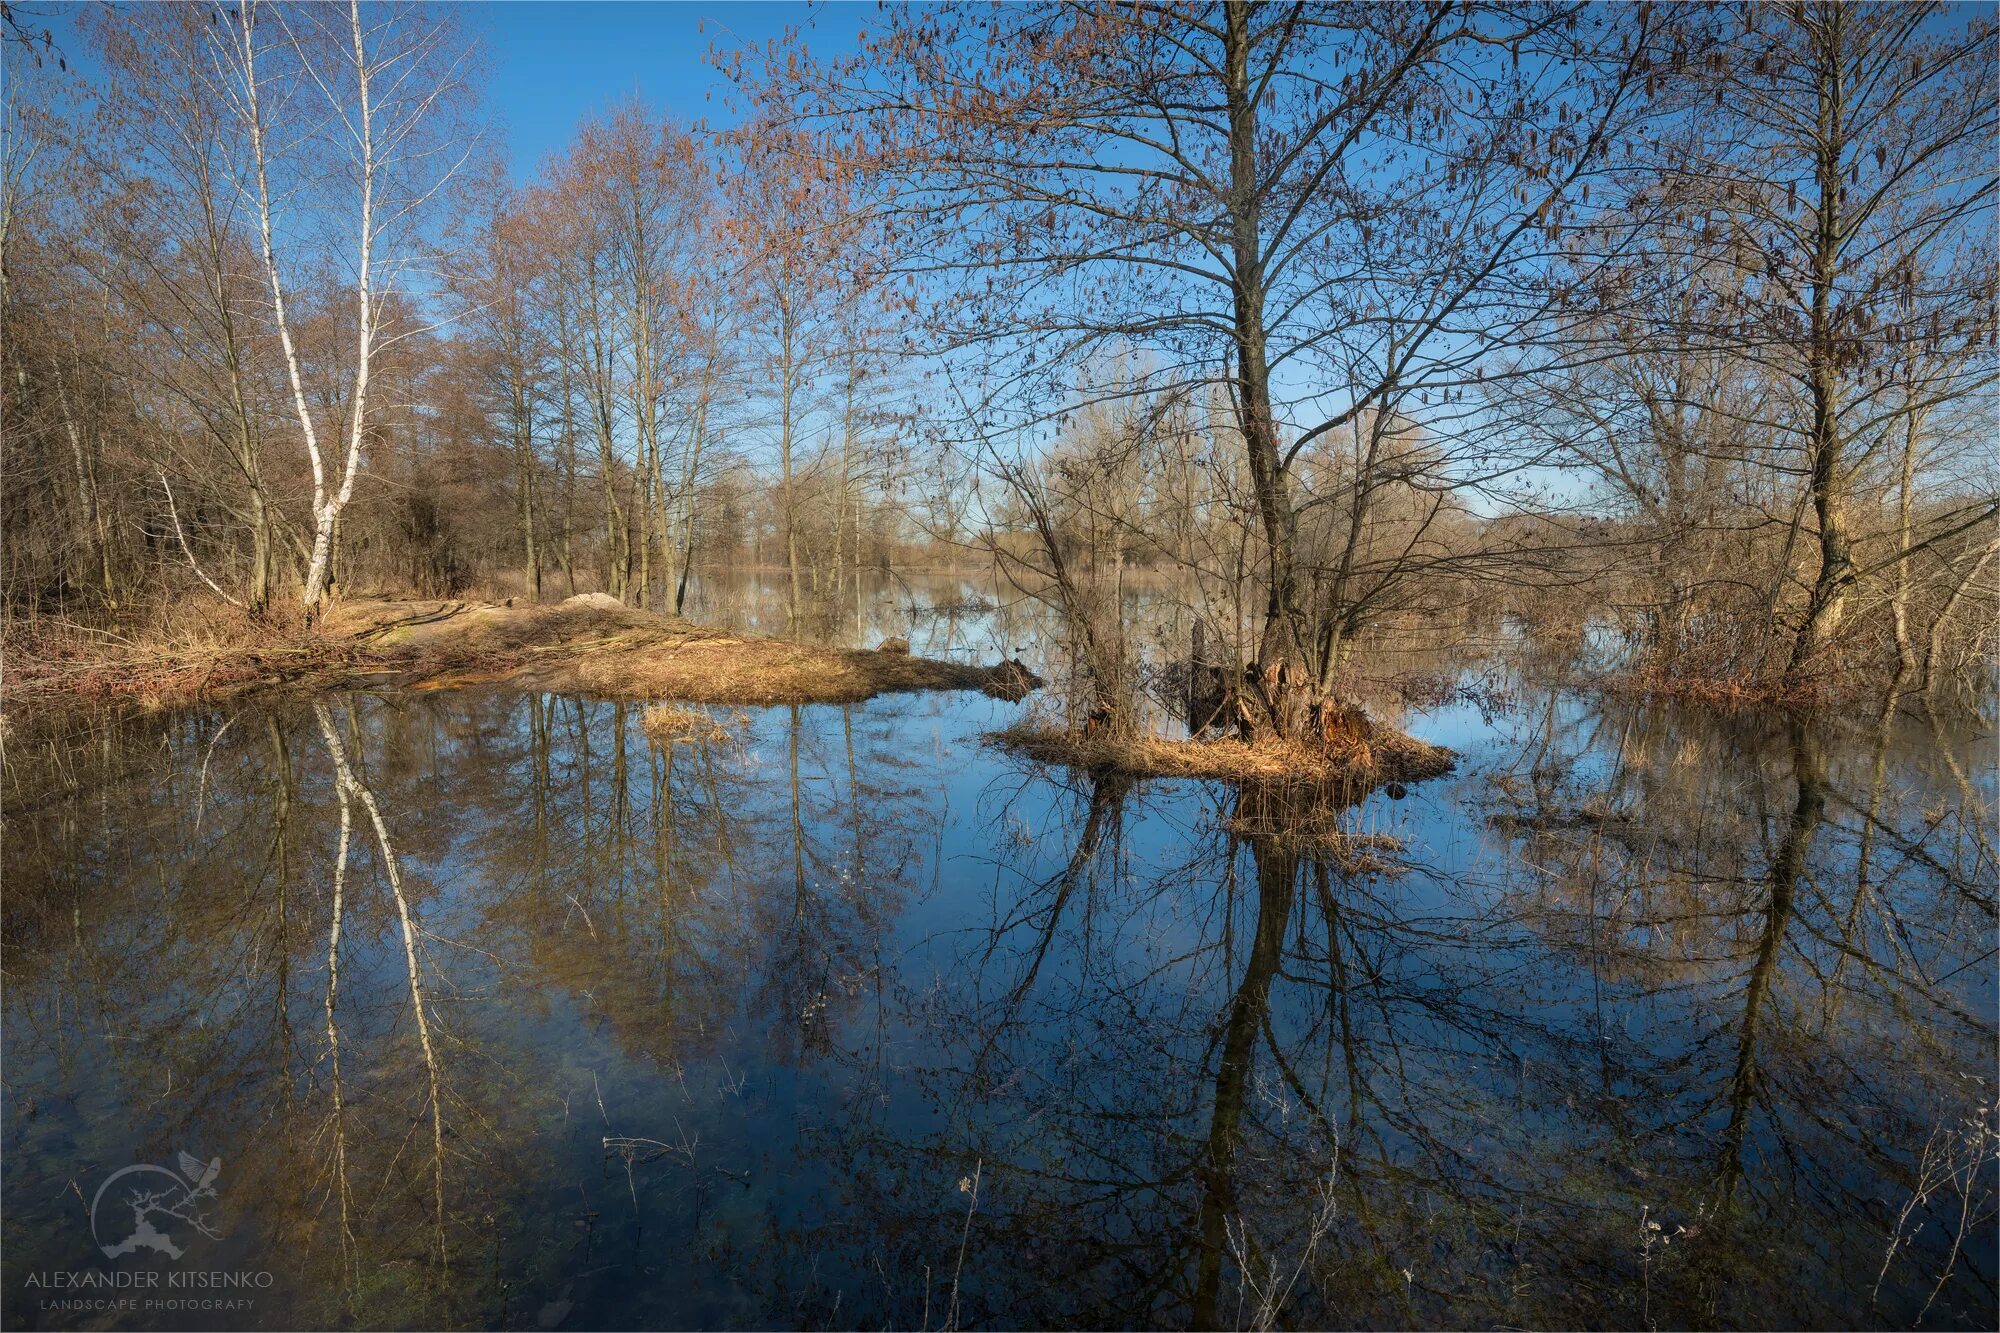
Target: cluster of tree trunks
1273 700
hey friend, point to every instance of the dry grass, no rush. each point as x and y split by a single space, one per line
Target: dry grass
701 666
1355 853
1387 757
591 645
677 724
168 657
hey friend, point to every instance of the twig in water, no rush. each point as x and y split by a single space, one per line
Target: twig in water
968 1185
1273 1289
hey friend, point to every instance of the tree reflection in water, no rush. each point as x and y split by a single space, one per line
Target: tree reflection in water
498 1013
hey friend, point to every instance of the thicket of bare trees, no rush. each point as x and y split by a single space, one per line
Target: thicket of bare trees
1686 313
1336 312
216 256
277 325
1786 380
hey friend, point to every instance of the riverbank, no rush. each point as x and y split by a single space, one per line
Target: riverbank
589 644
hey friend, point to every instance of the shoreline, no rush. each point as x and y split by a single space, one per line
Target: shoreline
589 644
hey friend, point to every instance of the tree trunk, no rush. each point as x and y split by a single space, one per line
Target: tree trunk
846 479
788 370
617 542
92 525
245 36
566 470
524 465
690 479
1828 603
1281 634
643 423
1899 601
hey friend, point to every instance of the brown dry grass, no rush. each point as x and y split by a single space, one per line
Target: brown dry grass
607 650
1388 757
678 724
165 658
1355 853
703 666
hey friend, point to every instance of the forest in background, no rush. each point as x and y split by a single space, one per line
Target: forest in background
1679 317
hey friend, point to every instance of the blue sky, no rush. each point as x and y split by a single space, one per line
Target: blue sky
553 62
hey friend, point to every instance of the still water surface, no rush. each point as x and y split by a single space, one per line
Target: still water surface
849 1020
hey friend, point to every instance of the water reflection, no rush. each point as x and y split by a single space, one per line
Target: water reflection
497 1013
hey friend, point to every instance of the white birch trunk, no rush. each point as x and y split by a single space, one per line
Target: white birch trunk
253 113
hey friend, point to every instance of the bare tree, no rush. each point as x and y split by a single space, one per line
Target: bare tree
790 213
1855 184
389 84
1326 211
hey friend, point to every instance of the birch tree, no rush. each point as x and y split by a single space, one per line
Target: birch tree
378 91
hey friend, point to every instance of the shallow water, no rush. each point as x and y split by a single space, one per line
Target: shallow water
850 1020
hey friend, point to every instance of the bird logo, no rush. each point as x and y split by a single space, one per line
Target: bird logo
160 1200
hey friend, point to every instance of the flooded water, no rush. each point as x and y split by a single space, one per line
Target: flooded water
849 1020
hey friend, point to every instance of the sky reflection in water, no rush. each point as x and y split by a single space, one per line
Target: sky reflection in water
726 1034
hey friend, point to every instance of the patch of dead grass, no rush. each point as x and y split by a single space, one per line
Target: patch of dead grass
586 645
1387 757
678 724
722 669
1354 853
